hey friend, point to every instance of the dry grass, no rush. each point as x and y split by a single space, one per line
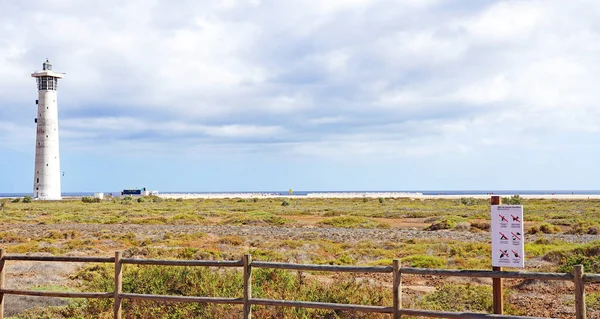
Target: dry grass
168 229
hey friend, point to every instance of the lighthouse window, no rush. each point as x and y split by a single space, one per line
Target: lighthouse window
38 180
47 83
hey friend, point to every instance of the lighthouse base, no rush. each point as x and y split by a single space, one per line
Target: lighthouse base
42 196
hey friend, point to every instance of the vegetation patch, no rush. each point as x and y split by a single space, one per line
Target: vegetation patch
353 222
256 218
587 255
470 201
424 261
445 223
545 228
480 225
186 219
88 199
513 200
231 240
202 281
452 297
585 227
592 300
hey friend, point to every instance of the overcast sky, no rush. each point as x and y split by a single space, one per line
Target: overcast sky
311 95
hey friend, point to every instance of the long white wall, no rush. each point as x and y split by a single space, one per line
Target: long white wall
46 183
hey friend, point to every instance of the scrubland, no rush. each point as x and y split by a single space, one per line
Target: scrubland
430 233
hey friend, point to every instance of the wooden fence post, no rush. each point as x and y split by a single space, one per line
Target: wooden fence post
118 308
247 286
2 277
580 311
498 289
397 289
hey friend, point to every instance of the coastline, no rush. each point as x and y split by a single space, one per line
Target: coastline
371 195
411 195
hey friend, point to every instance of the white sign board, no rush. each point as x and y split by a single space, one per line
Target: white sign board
508 242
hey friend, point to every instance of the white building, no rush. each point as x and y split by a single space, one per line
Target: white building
46 183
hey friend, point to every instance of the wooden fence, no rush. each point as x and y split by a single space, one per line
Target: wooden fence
395 310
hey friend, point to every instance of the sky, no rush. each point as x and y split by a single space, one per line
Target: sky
267 95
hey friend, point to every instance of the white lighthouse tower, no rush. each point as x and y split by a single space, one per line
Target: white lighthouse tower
46 183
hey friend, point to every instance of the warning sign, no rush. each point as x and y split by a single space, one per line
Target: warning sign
508 247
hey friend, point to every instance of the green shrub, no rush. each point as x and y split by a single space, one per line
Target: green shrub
285 203
592 300
186 219
468 201
424 261
485 226
332 214
141 199
256 218
27 199
87 199
587 255
154 199
204 281
533 230
444 223
513 200
15 200
231 240
585 227
547 228
590 263
381 200
453 297
353 222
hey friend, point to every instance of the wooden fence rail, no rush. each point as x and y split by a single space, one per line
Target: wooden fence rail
395 310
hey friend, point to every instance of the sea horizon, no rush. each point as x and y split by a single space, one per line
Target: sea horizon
304 193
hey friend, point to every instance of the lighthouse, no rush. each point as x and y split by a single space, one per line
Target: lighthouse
46 183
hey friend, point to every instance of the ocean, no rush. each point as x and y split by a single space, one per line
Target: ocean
304 193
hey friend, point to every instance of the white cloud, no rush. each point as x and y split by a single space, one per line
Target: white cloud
510 21
331 78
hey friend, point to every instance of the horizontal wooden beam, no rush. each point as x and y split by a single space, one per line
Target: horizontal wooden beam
205 263
487 274
167 298
57 293
459 315
61 258
591 277
320 305
369 269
